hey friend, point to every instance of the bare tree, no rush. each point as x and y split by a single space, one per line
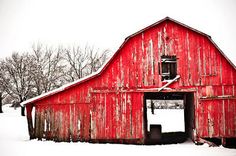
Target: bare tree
1 98
82 62
48 67
96 59
3 93
17 79
38 65
77 60
54 70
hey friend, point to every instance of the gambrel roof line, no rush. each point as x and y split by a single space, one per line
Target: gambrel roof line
97 73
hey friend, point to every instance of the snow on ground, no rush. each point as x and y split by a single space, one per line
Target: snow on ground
171 120
14 141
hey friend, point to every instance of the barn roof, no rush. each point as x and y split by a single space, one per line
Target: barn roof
97 73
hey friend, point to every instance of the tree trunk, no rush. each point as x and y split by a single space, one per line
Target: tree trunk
1 103
22 107
22 110
1 107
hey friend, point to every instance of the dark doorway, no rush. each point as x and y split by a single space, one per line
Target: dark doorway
168 117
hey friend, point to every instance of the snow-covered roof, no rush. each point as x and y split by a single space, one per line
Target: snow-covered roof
98 72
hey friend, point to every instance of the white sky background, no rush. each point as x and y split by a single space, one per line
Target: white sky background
106 23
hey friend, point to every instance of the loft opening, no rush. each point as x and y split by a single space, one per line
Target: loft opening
168 67
168 117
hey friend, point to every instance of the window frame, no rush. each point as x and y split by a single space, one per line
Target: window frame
168 67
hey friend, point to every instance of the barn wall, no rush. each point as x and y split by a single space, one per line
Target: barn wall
117 116
62 122
216 118
112 105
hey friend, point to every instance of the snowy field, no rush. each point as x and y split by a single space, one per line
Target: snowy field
171 120
14 141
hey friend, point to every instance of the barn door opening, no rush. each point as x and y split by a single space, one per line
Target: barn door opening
168 117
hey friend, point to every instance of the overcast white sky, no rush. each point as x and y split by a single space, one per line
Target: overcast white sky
106 23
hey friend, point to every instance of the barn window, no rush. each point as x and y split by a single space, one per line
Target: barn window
168 67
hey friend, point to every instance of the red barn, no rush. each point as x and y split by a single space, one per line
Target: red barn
167 65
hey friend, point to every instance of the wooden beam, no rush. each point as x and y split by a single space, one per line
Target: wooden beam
170 82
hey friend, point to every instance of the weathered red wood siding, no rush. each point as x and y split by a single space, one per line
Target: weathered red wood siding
110 105
117 116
